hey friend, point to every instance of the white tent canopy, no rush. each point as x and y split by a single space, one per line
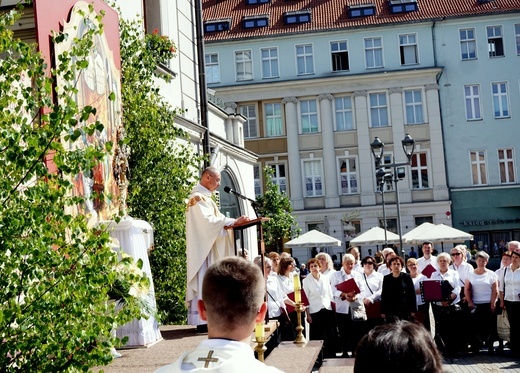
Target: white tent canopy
417 231
440 233
313 238
375 236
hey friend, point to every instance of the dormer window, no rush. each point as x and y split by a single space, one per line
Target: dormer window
255 21
402 6
294 18
361 10
217 25
256 2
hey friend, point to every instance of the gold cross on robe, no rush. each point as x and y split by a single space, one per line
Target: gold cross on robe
208 359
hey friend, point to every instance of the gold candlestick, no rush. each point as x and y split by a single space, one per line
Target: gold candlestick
260 348
300 339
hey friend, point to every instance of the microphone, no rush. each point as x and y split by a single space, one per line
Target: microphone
232 191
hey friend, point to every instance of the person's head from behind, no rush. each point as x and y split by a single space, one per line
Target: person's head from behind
401 347
233 292
286 266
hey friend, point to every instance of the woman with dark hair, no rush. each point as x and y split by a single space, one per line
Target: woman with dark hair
398 301
402 347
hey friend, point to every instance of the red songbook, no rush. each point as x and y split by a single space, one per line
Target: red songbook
431 291
305 300
428 270
348 286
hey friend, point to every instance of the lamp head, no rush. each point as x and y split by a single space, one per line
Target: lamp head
408 146
378 147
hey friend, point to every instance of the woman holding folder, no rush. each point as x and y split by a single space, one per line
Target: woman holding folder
398 300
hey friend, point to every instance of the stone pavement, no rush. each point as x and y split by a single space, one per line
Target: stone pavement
180 338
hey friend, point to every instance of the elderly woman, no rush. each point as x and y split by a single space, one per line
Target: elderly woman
447 311
373 282
398 301
326 264
481 292
422 314
510 296
319 312
504 262
350 332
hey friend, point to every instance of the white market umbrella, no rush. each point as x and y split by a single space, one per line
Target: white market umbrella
442 233
375 236
417 231
313 238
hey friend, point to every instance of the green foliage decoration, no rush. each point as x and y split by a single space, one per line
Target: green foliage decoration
55 271
277 206
161 168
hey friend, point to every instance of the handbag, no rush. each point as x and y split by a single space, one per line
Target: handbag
503 326
357 310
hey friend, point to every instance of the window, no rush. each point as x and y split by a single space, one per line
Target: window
343 107
506 165
273 119
378 110
348 178
212 68
391 224
423 219
257 180
278 177
244 65
313 178
402 6
292 18
478 167
304 59
414 107
309 116
517 38
250 126
468 44
472 98
373 53
419 169
214 26
500 101
339 54
363 10
269 63
408 49
495 41
255 22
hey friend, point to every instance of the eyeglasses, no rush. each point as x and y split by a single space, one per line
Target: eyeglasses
455 254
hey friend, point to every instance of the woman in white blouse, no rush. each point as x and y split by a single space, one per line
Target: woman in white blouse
373 282
319 312
422 314
510 296
481 292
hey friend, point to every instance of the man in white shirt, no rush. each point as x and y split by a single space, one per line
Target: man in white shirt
427 258
355 252
232 303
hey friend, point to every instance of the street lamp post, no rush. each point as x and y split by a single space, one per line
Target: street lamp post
398 173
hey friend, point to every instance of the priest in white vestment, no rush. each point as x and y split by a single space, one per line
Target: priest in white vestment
207 240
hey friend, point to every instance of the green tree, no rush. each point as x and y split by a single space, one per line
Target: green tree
55 271
161 164
277 206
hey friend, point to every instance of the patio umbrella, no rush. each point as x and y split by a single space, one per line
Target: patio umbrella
313 238
423 228
442 233
375 236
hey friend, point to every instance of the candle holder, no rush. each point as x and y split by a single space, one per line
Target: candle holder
300 339
260 348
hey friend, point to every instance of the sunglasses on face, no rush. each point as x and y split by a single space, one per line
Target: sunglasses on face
455 254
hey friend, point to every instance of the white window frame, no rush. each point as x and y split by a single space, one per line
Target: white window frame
495 36
348 174
344 113
213 67
476 165
517 38
419 168
467 43
311 116
315 178
500 99
276 178
371 51
258 181
417 107
306 56
506 163
266 119
379 109
272 61
475 100
243 65
251 120
340 50
409 43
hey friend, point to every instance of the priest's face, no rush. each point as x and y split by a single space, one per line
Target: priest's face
211 181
